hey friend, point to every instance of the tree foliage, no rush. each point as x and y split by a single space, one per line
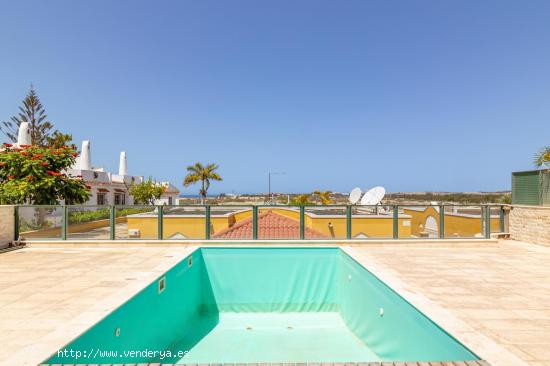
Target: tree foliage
542 157
204 174
323 196
34 174
41 129
146 192
59 139
462 198
301 200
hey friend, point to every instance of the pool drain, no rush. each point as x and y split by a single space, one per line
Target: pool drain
117 332
249 328
289 327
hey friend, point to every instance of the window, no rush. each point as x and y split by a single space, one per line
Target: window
170 201
120 198
101 199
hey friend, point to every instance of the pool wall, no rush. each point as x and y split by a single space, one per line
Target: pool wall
267 280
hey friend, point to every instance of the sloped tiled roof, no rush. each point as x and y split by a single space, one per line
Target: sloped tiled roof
270 226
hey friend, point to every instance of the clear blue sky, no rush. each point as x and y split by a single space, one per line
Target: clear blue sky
413 95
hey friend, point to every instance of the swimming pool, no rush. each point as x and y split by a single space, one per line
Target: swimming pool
249 305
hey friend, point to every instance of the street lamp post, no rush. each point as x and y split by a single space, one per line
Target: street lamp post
269 184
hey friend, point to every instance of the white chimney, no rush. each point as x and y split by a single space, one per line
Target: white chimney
122 164
85 159
24 134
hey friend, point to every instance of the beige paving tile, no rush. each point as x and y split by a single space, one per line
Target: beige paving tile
49 295
502 293
497 299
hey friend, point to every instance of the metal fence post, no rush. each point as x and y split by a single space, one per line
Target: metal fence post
207 223
302 223
16 223
487 222
255 222
64 223
441 222
348 222
395 221
501 219
160 219
112 223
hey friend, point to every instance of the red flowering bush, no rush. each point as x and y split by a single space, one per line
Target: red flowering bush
35 175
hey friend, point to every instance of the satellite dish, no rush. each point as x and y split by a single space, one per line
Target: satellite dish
373 196
355 195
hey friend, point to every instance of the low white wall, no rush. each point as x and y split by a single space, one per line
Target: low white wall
6 225
530 224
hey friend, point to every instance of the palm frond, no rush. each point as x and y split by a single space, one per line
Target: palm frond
542 157
201 173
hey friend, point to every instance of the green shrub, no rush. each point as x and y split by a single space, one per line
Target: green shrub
78 217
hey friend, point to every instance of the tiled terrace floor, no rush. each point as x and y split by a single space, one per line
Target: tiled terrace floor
496 300
502 293
48 296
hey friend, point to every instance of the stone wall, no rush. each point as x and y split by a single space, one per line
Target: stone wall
530 224
6 225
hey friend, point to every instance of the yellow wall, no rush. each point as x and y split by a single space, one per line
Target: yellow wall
147 226
372 227
193 227
418 219
242 215
455 225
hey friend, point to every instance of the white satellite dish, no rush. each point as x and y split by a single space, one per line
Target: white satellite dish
355 195
373 196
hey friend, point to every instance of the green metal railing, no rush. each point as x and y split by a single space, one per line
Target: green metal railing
214 222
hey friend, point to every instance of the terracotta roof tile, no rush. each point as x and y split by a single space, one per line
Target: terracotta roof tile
270 226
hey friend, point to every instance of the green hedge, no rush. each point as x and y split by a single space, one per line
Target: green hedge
78 217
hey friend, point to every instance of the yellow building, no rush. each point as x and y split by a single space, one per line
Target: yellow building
273 223
460 221
320 222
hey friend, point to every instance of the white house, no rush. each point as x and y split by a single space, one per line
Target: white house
105 188
112 189
170 194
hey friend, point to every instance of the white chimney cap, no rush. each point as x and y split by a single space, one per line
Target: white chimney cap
24 134
122 164
85 158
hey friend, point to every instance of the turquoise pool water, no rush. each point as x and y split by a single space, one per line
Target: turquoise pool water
236 305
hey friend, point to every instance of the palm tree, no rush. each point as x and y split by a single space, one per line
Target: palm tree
300 200
204 174
324 196
542 158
